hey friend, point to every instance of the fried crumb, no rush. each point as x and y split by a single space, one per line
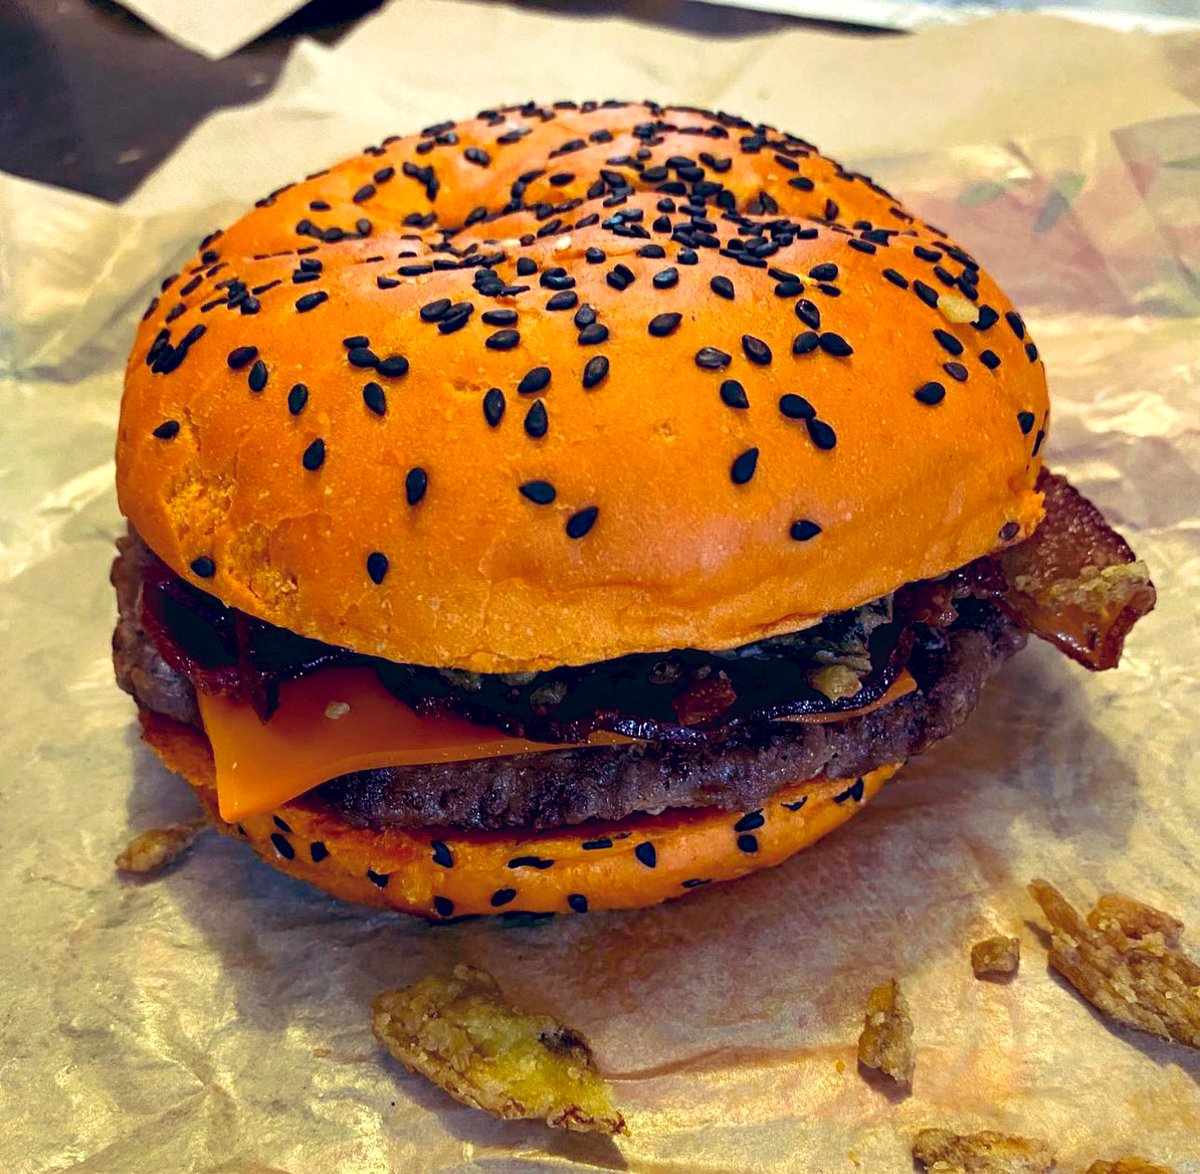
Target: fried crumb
157 848
886 1041
466 1039
1127 1166
1125 960
996 955
943 1152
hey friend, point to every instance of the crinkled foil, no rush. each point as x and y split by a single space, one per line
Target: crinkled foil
216 1018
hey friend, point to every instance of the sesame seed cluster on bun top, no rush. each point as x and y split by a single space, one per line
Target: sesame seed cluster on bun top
554 385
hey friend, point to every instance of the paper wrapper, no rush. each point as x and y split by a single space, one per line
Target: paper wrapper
216 1018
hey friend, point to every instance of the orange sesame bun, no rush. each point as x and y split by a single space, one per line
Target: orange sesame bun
656 426
452 872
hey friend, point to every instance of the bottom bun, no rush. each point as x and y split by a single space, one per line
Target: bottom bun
451 872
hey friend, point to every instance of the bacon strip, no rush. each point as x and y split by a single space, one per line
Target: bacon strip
1075 582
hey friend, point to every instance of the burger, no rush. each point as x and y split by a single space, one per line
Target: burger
579 505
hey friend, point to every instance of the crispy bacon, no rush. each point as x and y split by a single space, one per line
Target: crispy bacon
1075 581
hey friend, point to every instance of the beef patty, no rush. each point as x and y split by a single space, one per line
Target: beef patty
569 786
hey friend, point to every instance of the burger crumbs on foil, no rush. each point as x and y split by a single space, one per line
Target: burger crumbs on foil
158 848
941 1152
836 681
996 955
886 1042
464 1037
1127 1166
1126 961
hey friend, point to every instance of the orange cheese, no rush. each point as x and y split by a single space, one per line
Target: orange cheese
330 723
339 720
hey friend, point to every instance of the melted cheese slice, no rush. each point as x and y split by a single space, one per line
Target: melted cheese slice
339 720
330 723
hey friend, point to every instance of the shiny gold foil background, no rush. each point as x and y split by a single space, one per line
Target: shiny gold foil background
216 1018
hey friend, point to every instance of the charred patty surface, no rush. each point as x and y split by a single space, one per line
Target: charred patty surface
570 786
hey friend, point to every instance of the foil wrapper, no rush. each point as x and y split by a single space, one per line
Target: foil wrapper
216 1017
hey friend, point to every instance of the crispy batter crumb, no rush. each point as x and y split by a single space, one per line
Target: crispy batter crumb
157 848
464 1037
996 955
943 1152
1125 960
886 1041
1127 1166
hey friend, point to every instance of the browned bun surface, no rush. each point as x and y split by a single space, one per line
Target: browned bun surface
741 389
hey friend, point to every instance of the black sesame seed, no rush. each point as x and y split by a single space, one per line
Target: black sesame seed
378 879
595 371
743 466
361 356
750 822
314 455
821 434
393 366
805 343
442 856
926 293
443 906
478 156
646 854
747 844
695 883
987 318
433 311
733 394
502 340
415 484
801 183
594 256
557 278
652 252
240 356
804 530
1009 531
687 257
835 344
756 350
374 398
861 246
1037 441
377 566
167 430
896 278
597 332
584 316
1026 420
578 524
493 406
311 300
722 287
385 282
796 407
456 317
499 317
538 862
317 851
534 381
663 324
826 271
283 846
526 267
502 897
955 371
1031 352
536 422
257 378
989 359
593 845
666 278
578 902
808 313
1015 323
567 299
204 567
363 194
711 359
539 492
949 341
297 398
930 393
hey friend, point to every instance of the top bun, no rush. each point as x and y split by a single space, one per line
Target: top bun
558 384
